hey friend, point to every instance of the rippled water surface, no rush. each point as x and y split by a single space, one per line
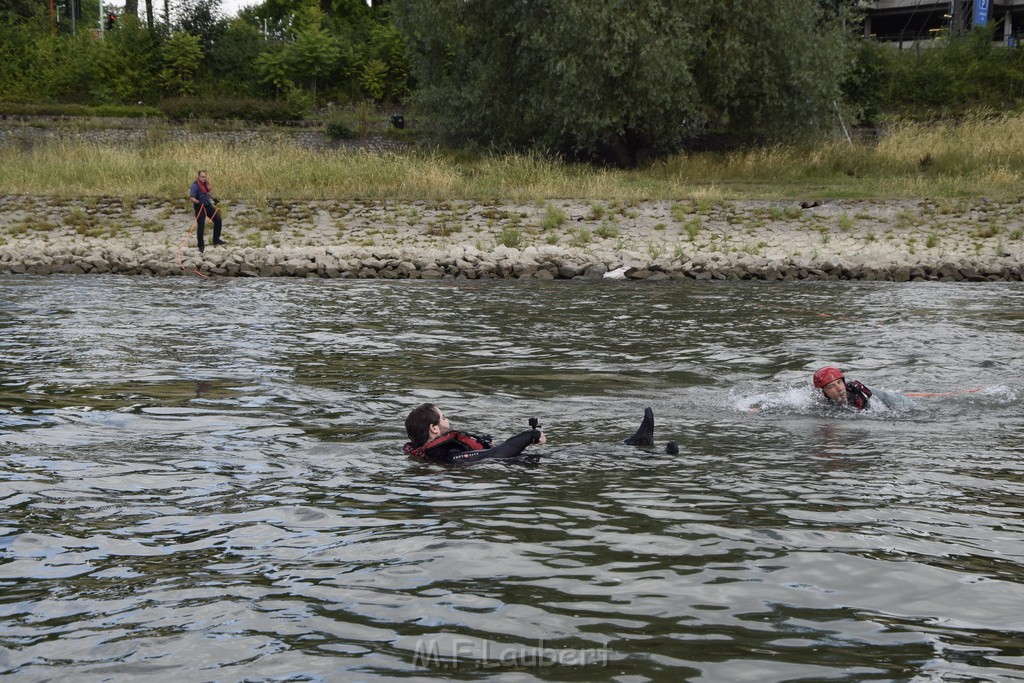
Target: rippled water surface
203 480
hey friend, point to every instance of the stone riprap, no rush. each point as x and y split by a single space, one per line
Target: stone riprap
973 240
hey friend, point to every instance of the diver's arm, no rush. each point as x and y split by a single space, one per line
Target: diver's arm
506 449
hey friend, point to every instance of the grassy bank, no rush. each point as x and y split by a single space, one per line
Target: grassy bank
976 157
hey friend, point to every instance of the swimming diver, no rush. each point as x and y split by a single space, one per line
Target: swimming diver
840 391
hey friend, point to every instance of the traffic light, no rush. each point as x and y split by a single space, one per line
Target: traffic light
111 21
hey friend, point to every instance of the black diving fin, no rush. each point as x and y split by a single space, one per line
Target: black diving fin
645 434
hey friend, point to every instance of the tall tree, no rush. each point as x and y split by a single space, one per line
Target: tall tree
233 57
349 12
181 54
621 79
315 52
201 18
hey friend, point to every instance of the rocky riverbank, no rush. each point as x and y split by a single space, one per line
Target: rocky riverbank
974 240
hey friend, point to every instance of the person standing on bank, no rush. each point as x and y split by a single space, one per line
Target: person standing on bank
203 205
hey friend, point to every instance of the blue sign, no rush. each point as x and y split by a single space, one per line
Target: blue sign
980 12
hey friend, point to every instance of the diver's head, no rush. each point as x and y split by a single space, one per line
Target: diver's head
425 423
830 381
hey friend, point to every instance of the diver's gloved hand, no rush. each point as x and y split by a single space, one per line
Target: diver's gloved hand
538 436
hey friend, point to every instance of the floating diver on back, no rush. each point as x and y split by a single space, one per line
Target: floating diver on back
432 438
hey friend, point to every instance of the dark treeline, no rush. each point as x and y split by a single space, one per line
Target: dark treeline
617 80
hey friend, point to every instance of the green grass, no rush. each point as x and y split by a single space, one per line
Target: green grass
32 224
693 227
510 237
78 110
906 218
581 237
442 229
554 217
988 231
973 157
607 230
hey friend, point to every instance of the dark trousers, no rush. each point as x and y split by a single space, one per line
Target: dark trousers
202 213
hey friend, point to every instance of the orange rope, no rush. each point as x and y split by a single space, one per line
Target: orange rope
188 233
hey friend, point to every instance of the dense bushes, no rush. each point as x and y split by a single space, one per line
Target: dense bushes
353 54
942 77
617 80
621 79
57 109
185 108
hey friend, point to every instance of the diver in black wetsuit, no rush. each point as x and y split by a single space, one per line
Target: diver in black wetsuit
431 438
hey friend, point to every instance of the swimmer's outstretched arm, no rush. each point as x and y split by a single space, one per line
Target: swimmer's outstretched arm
509 448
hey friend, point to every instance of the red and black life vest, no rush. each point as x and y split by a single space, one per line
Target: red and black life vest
452 441
857 394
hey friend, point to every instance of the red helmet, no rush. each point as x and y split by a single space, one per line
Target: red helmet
827 375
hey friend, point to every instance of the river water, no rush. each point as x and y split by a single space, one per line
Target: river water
203 480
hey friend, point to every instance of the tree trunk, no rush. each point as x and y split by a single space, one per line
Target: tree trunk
131 7
631 149
149 15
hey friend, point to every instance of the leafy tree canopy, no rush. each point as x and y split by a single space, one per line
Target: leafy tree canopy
620 79
20 9
203 19
281 14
